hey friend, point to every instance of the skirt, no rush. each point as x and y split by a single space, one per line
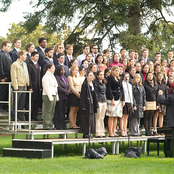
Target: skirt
114 111
150 105
73 100
127 109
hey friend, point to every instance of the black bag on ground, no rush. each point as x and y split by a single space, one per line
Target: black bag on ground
133 152
101 151
96 154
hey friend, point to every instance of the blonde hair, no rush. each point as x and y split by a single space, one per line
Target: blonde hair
72 69
114 68
135 76
56 47
163 68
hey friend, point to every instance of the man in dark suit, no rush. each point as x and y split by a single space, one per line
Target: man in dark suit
14 52
48 59
35 84
61 59
5 64
94 50
41 49
145 54
69 56
58 48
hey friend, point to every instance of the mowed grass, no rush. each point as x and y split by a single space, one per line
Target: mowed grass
70 160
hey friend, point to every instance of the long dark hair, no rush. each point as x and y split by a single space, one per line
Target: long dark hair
48 66
96 76
58 69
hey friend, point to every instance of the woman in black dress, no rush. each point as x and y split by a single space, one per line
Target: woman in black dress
88 108
63 92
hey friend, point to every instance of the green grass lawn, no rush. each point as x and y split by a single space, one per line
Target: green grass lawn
71 161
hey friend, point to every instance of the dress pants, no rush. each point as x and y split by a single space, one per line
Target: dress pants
48 111
4 96
60 114
100 129
135 123
20 104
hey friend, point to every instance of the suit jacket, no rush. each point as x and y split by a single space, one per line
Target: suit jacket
5 65
14 55
55 61
43 65
66 62
63 90
41 55
28 59
35 80
66 70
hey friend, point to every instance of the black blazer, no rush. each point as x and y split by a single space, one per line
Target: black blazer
35 80
43 65
41 55
114 89
63 90
14 55
66 62
5 66
55 59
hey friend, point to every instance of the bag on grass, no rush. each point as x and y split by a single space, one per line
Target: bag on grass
101 151
133 152
92 154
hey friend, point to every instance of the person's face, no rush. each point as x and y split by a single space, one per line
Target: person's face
116 72
108 54
35 57
132 62
43 44
61 59
85 64
164 63
62 71
108 73
75 71
172 64
133 71
50 54
121 70
52 69
160 77
170 79
137 80
75 63
94 68
89 58
138 67
100 59
125 62
158 68
116 58
123 53
94 49
59 49
17 44
170 55
90 76
23 57
158 57
31 49
136 55
86 50
146 69
150 76
156 62
101 76
83 72
7 47
69 51
151 65
171 73
132 55
127 77
142 62
105 60
145 54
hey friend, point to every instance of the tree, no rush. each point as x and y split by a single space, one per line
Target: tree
121 21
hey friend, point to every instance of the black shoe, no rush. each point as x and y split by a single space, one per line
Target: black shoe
65 128
35 119
98 137
87 136
104 136
47 129
53 129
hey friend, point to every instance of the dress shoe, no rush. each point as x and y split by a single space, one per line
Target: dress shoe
104 136
65 128
98 137
35 119
53 129
87 136
155 133
47 129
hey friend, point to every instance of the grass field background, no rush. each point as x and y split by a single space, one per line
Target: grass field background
71 161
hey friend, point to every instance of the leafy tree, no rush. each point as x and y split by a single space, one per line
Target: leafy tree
132 23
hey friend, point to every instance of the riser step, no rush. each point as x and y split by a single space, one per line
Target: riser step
31 144
26 153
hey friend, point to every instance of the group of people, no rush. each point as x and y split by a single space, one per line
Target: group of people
93 90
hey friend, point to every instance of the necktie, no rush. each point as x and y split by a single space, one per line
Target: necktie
69 58
24 71
9 56
63 80
36 65
51 61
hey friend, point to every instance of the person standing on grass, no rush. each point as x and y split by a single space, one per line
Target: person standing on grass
49 96
115 99
139 96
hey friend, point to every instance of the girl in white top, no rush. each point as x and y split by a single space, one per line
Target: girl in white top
49 95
